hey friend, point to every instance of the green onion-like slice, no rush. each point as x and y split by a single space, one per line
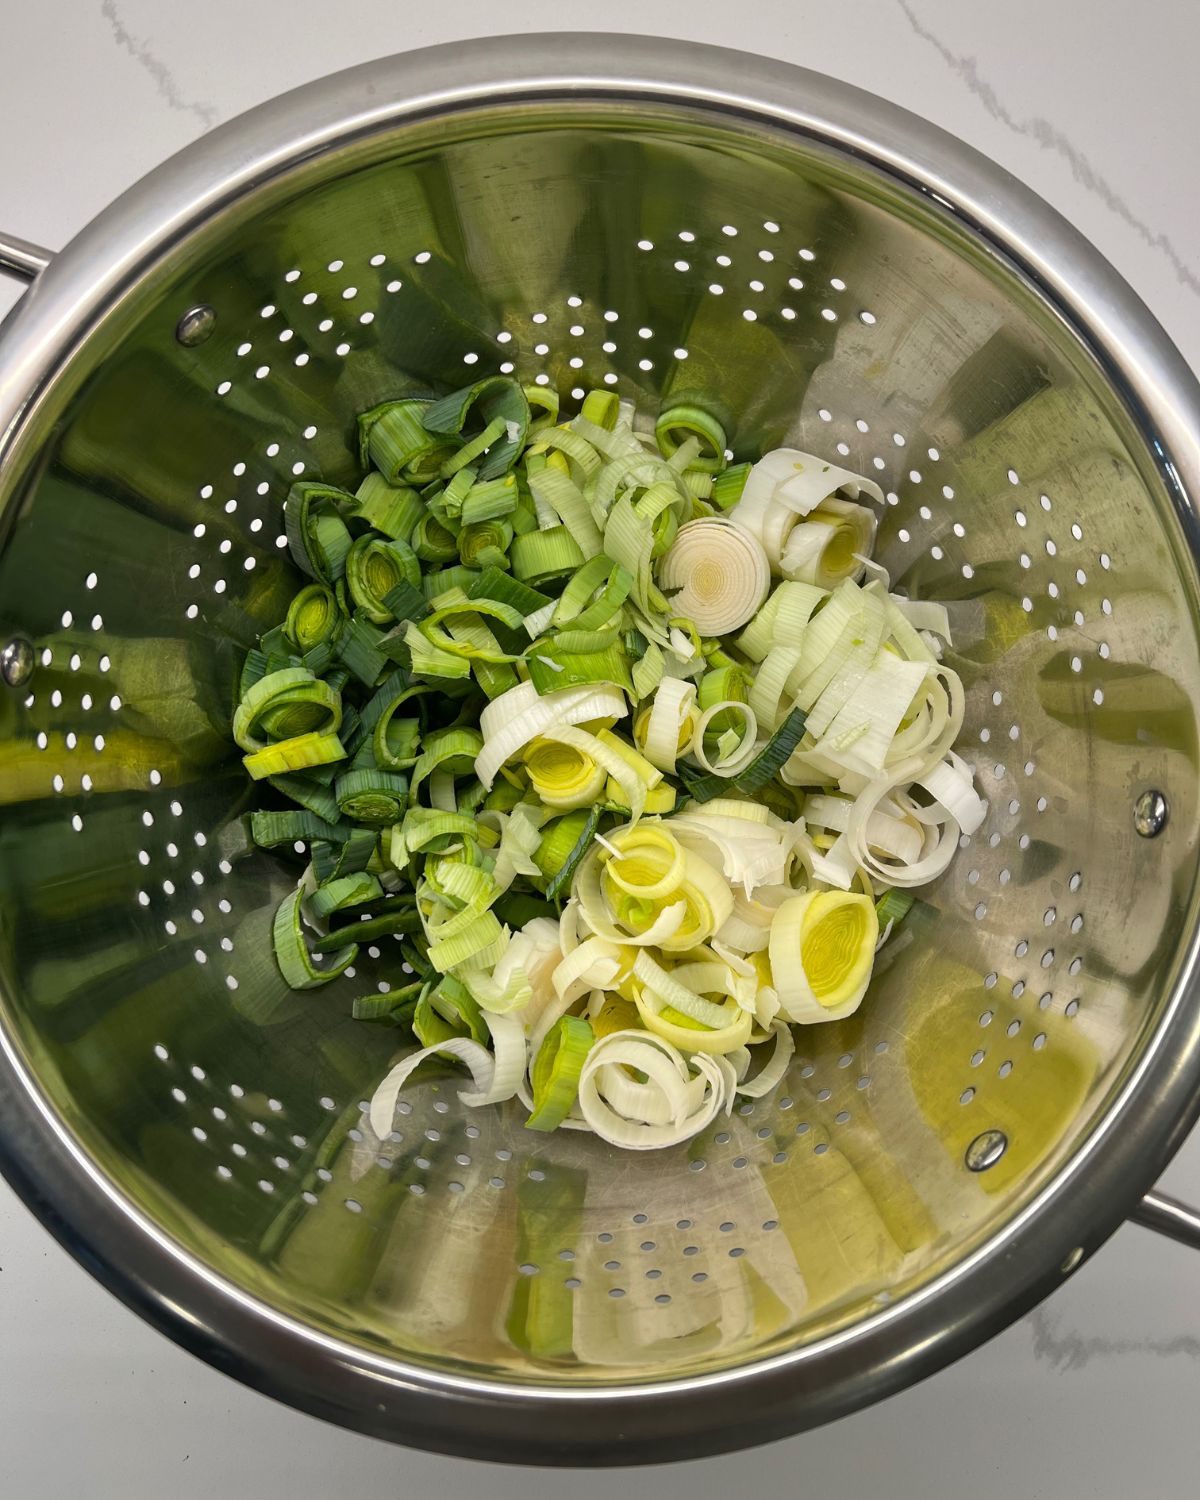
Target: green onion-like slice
270 829
432 542
893 906
294 755
553 665
474 449
485 544
492 500
355 854
405 602
371 796
392 509
312 618
396 1006
292 953
727 487
311 795
678 423
496 396
541 556
359 651
505 589
602 408
285 704
374 568
397 441
375 927
556 1070
317 536
344 892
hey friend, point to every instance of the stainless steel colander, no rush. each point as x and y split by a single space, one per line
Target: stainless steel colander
830 272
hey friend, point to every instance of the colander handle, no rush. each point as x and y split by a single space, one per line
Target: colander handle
1170 1217
21 258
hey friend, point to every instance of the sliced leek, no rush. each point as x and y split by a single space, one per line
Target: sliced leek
631 753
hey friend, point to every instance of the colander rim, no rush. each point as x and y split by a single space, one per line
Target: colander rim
1078 1207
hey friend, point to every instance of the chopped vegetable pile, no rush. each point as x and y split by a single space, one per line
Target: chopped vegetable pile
611 737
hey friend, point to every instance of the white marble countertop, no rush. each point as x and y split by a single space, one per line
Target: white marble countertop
1098 1391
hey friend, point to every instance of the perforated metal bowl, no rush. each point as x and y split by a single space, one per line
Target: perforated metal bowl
664 220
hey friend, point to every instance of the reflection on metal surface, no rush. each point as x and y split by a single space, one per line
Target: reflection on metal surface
196 325
657 250
1150 814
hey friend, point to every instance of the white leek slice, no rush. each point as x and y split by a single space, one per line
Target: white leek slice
720 571
666 1070
861 732
482 1064
828 545
670 720
508 1051
510 721
742 745
771 1074
822 950
787 485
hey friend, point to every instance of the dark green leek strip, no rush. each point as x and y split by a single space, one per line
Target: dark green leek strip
516 908
318 538
396 1006
292 952
323 855
371 796
474 449
359 651
352 731
505 589
429 1026
478 405
270 829
310 795
762 769
385 695
274 642
319 658
356 852
551 666
373 569
254 669
374 927
405 602
769 760
392 509
561 882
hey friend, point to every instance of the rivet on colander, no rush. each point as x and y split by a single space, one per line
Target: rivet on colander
985 1150
196 325
16 661
1150 813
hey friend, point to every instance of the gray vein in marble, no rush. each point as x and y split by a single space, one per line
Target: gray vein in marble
1064 1349
164 79
1051 138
